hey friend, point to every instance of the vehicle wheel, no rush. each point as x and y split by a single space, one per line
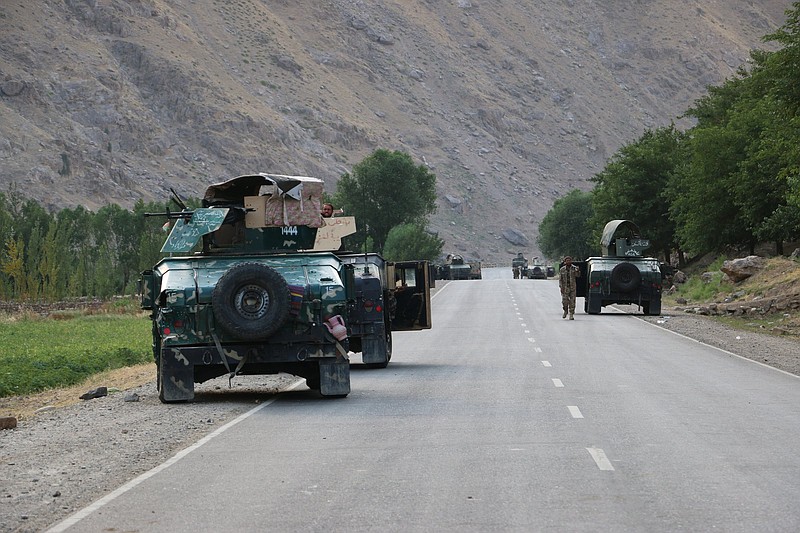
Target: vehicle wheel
388 347
162 389
625 277
159 386
593 304
251 301
313 382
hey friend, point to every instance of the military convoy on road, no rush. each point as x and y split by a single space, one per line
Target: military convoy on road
622 275
255 283
520 268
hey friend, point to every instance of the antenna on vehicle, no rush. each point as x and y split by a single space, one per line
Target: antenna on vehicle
177 199
366 233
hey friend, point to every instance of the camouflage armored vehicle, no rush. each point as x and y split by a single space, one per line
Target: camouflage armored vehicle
622 275
455 267
254 283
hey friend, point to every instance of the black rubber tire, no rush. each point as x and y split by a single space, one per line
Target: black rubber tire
594 305
388 351
251 301
654 308
625 277
313 382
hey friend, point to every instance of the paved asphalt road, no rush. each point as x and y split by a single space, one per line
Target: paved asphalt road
504 417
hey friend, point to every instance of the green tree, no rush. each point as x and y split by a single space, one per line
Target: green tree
764 170
701 202
566 228
50 265
782 68
118 232
152 234
14 266
385 190
6 234
411 241
632 187
33 257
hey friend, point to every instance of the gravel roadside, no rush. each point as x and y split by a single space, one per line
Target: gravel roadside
61 460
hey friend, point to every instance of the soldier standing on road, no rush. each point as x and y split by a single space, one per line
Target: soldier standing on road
568 283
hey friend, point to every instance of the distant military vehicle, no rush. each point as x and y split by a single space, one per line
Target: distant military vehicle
475 269
456 267
538 270
254 283
519 266
622 275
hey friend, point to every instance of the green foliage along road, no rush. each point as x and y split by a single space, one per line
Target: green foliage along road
38 353
384 191
731 181
74 252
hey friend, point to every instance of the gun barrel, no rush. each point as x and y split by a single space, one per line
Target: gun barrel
171 215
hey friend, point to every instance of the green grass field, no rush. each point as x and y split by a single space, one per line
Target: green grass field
42 353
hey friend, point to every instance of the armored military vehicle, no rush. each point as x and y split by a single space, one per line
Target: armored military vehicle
538 270
519 266
622 275
254 283
456 267
475 271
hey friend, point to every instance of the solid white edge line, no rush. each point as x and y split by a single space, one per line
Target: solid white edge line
716 348
600 458
86 511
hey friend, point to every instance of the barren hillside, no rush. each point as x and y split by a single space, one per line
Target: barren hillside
511 104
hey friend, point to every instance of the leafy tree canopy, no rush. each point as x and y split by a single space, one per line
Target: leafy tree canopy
633 185
385 190
411 241
566 228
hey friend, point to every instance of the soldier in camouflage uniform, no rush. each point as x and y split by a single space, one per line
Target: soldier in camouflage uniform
568 283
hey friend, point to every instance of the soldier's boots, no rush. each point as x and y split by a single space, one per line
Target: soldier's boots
565 314
571 316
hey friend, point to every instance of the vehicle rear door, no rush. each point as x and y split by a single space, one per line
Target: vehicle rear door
583 280
412 291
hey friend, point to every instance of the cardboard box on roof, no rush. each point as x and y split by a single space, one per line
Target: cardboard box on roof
295 203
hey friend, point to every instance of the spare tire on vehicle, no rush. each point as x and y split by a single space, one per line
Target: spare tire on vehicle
251 301
625 277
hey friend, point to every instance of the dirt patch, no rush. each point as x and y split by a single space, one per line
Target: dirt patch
769 300
24 407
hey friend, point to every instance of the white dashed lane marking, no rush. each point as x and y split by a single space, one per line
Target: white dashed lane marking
547 364
600 458
557 382
574 411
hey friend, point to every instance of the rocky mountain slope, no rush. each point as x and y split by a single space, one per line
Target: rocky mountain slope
511 104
